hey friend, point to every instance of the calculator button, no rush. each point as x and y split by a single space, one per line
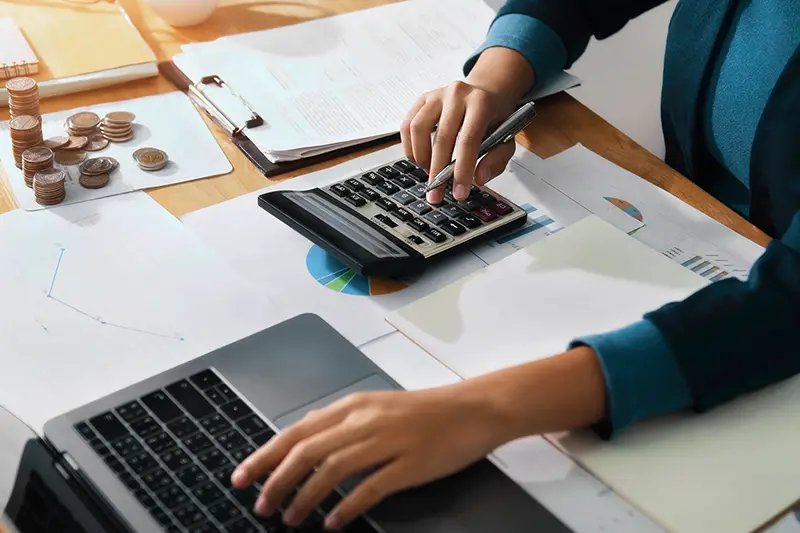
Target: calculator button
418 225
404 181
340 190
370 195
388 172
355 200
404 198
419 175
354 185
402 214
485 214
470 204
371 178
386 220
404 166
470 221
387 188
435 217
501 208
449 196
416 239
419 207
453 211
484 198
418 190
386 204
435 235
453 228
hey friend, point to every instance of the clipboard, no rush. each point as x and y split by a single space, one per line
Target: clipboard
223 116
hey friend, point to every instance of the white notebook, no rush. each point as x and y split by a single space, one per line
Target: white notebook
16 56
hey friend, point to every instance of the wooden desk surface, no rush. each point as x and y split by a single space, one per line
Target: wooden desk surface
562 121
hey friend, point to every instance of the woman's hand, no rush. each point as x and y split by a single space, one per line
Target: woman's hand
412 437
462 114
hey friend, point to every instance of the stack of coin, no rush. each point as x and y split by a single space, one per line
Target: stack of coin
35 160
150 159
95 172
48 186
23 97
82 124
26 132
117 126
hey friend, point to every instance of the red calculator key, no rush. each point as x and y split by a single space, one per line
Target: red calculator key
501 208
485 214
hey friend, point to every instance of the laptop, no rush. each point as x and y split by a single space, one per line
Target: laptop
158 455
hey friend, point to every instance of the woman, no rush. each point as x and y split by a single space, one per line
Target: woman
731 115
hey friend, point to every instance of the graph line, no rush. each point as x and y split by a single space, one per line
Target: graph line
95 318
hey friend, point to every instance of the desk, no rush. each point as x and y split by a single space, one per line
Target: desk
562 121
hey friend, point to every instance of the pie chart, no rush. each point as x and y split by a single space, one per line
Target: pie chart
626 206
336 276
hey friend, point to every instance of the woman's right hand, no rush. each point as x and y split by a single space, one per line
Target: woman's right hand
462 114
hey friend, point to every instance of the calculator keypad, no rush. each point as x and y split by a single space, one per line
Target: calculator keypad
393 197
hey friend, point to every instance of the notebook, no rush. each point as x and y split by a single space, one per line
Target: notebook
16 56
729 470
79 46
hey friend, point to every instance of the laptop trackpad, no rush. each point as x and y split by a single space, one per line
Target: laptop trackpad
370 383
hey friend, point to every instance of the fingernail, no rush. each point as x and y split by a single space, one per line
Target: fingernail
460 191
262 506
290 517
431 197
333 522
239 477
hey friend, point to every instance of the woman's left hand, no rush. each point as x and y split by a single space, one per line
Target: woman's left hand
411 437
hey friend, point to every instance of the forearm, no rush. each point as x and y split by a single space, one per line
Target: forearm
504 72
563 392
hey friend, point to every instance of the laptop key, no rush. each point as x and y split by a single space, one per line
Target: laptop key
145 426
160 441
251 424
230 440
224 511
130 411
213 459
176 459
145 499
262 438
236 409
183 427
101 449
197 443
203 527
223 476
129 481
85 431
161 516
162 406
246 497
115 464
215 424
242 453
207 493
127 446
108 426
243 525
192 476
205 379
156 479
191 399
141 462
189 515
172 497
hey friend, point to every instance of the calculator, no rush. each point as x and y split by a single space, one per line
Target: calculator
378 222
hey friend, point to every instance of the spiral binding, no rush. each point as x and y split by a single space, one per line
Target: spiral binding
12 70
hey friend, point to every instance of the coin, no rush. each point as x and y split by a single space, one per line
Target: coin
119 117
150 159
96 181
24 123
56 142
84 120
96 143
50 176
20 84
75 143
70 158
37 154
98 165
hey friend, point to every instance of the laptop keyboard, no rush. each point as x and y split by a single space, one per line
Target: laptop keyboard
175 449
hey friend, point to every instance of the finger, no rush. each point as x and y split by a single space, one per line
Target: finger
421 128
388 480
494 162
469 143
405 128
444 141
264 460
333 470
300 461
436 195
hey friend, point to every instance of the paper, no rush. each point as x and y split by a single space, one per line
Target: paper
579 500
670 226
332 81
788 524
588 278
168 122
100 295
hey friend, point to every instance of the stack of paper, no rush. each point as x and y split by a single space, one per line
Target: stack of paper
343 80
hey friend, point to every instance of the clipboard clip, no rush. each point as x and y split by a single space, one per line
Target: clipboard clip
218 115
